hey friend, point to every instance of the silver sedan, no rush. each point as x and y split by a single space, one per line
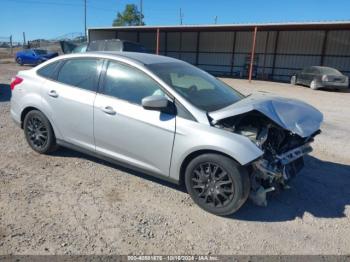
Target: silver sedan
167 118
318 77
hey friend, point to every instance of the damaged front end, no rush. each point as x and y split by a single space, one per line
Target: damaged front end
283 146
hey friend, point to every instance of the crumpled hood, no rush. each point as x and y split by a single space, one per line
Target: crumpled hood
291 114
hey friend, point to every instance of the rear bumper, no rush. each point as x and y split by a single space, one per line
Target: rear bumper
16 117
335 85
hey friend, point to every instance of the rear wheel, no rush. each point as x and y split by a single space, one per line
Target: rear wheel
19 61
39 133
217 183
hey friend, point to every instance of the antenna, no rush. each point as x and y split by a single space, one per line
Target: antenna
216 20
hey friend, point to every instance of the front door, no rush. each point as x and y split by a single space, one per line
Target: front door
123 129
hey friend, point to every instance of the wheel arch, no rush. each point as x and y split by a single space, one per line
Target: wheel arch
29 108
25 111
195 154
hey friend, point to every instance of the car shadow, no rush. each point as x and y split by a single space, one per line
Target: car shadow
65 152
5 93
339 90
321 189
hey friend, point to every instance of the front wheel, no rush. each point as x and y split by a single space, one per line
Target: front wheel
313 85
39 133
293 80
19 61
217 183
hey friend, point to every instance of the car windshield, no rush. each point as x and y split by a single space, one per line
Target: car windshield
196 86
40 52
329 71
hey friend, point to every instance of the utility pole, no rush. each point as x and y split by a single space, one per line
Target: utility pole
11 45
85 17
141 7
216 20
252 55
24 39
181 16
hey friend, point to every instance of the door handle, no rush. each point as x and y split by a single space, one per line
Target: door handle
108 110
53 93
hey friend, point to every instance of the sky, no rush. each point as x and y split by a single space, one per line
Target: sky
50 19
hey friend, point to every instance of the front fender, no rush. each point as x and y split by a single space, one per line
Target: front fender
192 136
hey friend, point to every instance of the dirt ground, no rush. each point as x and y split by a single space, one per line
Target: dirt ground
69 203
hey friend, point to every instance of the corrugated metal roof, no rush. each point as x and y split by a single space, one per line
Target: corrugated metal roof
288 25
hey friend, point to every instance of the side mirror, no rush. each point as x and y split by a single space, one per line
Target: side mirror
158 103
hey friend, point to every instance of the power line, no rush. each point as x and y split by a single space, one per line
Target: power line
41 3
72 4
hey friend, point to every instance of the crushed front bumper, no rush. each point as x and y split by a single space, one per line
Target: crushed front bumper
276 174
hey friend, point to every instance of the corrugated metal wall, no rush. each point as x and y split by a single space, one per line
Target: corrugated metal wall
278 54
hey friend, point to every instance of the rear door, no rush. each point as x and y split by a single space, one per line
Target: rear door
123 129
304 76
71 97
309 76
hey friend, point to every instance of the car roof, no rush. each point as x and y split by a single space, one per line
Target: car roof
322 67
325 69
142 58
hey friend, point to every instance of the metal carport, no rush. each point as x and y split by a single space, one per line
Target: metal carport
271 51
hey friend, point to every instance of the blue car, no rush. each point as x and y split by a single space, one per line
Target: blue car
34 56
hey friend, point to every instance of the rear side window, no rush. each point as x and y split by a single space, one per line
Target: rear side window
309 70
129 84
48 71
314 71
82 73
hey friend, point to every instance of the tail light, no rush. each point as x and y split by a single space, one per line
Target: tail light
15 81
325 78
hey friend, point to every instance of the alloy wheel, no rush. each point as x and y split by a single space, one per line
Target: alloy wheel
37 132
212 184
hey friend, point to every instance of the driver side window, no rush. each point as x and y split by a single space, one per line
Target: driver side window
128 83
307 71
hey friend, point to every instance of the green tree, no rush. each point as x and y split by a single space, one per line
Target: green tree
130 16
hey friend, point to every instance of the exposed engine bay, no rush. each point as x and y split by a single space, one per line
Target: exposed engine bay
283 152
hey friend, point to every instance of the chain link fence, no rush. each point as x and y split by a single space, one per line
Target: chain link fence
8 48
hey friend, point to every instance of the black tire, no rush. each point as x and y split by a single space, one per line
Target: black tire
39 133
293 80
217 183
19 61
313 85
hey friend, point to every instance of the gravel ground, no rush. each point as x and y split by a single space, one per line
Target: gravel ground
69 203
